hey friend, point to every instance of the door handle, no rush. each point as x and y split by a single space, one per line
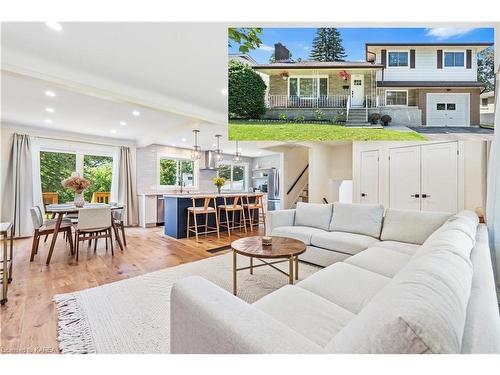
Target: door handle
363 194
426 196
415 195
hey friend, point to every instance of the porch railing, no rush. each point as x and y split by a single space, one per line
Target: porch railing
285 101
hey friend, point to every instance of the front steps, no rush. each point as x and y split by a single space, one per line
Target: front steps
357 116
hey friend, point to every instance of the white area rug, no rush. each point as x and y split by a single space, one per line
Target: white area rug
133 315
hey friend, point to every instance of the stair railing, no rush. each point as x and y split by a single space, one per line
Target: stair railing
297 180
348 105
366 108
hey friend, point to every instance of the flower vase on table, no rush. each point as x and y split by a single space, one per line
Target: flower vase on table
219 183
79 200
78 185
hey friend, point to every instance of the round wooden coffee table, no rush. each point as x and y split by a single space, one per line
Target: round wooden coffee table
286 249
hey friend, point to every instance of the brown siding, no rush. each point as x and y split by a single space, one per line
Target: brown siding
474 102
412 59
335 84
440 59
277 85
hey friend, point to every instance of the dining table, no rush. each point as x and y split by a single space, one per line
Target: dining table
59 210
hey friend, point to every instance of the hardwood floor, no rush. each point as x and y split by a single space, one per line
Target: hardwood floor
28 321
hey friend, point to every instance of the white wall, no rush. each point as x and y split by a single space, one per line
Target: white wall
426 66
472 159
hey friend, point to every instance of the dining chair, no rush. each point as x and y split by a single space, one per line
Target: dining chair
46 227
119 224
233 204
93 223
204 209
251 206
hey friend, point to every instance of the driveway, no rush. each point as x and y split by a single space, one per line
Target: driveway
473 133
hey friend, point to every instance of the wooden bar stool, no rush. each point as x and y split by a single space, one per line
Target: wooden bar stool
206 210
235 206
251 206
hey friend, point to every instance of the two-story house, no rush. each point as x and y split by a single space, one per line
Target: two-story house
417 84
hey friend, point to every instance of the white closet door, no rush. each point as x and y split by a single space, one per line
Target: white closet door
404 178
440 177
369 177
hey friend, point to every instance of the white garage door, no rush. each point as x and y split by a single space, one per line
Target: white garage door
448 110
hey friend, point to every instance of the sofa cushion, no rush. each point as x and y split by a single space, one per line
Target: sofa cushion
348 243
383 261
314 215
402 247
448 239
322 257
303 234
306 313
411 226
422 310
363 219
460 222
345 285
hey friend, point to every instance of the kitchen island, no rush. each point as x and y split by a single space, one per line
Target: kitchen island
176 212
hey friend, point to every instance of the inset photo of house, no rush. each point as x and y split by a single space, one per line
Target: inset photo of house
360 83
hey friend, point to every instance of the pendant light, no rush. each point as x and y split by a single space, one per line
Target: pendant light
218 152
195 150
237 154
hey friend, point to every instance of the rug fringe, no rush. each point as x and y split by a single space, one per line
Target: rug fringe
74 334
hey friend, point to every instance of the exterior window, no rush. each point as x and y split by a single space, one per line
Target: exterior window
440 106
99 170
306 87
323 87
55 167
396 98
450 106
398 58
293 87
176 172
484 102
357 82
454 59
235 175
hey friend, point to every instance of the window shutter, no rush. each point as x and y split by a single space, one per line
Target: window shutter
468 54
383 57
440 59
412 59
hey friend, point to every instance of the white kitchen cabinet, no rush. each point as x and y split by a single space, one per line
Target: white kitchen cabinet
147 210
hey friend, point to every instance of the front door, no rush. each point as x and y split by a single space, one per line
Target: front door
357 90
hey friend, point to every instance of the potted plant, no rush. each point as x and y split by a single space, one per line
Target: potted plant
386 119
219 183
374 118
78 185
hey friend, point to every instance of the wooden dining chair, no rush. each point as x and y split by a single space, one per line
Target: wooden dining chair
204 209
255 202
47 227
93 224
232 204
100 197
119 224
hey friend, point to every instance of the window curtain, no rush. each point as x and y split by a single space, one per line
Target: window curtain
18 193
127 191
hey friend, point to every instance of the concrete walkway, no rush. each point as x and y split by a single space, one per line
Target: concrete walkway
472 133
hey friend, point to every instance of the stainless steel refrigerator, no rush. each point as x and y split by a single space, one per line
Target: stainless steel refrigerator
267 180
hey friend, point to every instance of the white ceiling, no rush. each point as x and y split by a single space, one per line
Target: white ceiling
173 73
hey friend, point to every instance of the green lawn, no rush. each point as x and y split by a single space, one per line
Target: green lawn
274 131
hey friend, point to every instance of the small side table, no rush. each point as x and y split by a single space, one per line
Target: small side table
7 259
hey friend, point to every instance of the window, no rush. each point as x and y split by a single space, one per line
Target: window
440 106
396 97
55 167
98 170
235 175
357 82
484 102
450 106
176 172
308 87
454 59
398 58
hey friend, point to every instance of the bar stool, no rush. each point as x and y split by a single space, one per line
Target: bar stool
235 206
206 210
256 204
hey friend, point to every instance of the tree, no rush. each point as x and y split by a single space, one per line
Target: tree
246 91
246 37
327 45
486 69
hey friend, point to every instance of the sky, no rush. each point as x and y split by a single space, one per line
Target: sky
299 40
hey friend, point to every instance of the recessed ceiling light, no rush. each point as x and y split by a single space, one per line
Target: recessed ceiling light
123 123
136 113
56 26
214 144
50 93
174 145
224 91
184 139
48 121
260 152
50 110
113 131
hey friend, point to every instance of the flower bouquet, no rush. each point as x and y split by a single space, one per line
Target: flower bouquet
219 183
78 185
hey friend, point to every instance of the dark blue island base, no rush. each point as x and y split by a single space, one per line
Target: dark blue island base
176 215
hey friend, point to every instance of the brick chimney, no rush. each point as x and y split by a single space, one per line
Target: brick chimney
281 53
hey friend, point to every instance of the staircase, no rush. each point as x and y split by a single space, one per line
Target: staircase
303 196
357 116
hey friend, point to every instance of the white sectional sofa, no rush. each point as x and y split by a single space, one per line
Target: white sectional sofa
403 282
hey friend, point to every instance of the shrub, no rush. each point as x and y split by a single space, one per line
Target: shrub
319 114
386 119
299 119
282 116
338 119
374 118
245 92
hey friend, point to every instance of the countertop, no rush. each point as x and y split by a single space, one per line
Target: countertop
195 194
